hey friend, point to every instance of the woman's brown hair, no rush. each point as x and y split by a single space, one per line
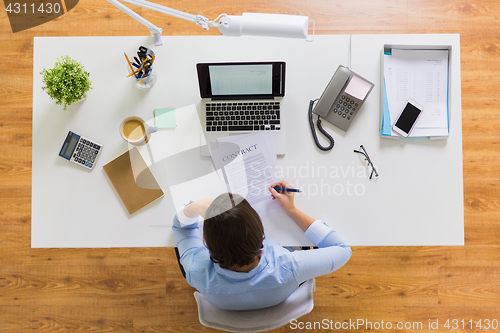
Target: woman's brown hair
233 231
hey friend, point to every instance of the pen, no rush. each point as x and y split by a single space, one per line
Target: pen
284 189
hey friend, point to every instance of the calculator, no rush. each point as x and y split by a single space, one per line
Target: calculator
80 150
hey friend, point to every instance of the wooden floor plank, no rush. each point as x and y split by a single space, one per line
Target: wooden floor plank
60 285
65 319
398 285
469 286
74 257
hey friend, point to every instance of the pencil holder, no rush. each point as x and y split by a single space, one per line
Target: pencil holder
146 81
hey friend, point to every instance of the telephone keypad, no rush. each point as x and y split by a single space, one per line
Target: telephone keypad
345 107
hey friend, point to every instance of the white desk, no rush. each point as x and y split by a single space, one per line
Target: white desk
72 207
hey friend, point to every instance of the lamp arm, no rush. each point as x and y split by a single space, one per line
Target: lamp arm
156 31
163 9
255 24
153 29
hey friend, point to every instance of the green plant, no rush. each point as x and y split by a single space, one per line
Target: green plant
67 82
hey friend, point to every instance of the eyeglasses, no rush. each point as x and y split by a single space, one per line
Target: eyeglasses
367 158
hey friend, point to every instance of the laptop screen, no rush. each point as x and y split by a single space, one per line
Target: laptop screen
241 80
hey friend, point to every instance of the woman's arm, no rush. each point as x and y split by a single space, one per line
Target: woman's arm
333 251
187 234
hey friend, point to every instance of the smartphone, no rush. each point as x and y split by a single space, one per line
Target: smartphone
408 118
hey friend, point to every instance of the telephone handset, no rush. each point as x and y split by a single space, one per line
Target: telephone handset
340 102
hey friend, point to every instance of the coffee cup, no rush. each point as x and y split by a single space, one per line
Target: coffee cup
135 131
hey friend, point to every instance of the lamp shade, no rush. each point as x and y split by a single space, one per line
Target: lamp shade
255 24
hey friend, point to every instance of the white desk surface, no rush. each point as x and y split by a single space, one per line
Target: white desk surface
72 207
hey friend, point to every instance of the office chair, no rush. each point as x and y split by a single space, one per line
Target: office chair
299 303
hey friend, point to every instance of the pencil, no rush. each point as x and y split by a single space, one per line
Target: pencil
133 73
128 61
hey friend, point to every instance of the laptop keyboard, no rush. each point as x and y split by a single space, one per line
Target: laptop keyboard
243 116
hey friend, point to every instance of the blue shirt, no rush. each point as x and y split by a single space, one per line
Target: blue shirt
277 275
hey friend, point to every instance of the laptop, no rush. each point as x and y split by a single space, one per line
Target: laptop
242 97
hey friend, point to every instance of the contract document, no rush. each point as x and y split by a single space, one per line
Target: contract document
421 75
247 165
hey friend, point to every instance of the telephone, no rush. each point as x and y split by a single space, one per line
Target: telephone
340 102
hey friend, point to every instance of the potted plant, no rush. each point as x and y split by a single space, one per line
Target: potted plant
67 82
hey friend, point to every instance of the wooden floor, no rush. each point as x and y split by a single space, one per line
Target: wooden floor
141 290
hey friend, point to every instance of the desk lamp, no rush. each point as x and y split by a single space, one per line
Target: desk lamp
273 25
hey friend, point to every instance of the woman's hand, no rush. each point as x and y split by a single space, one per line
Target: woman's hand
197 208
285 199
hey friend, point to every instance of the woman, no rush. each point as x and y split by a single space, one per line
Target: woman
235 266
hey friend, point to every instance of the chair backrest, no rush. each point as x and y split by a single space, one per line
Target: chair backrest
299 303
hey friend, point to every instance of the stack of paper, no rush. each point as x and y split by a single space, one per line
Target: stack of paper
421 75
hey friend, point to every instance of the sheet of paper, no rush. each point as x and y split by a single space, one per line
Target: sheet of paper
205 187
421 75
233 138
167 143
249 165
